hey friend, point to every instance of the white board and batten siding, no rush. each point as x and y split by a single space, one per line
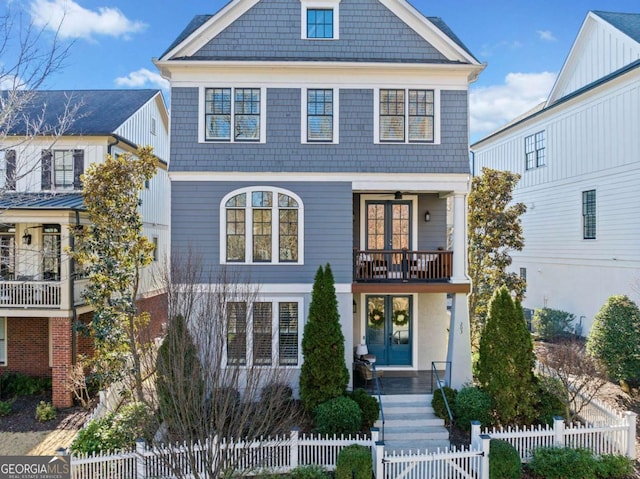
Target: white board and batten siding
600 49
592 143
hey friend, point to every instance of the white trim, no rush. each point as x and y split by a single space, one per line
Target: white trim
436 117
201 114
325 4
269 288
275 257
4 361
377 197
275 332
424 182
303 117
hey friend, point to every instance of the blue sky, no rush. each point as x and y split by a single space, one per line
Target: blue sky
523 42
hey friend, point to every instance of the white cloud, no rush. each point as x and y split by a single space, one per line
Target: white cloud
143 78
546 36
492 106
75 21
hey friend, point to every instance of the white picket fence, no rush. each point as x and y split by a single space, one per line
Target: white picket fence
616 437
604 432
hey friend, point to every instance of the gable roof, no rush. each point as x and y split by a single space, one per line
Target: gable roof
204 28
606 42
628 23
100 112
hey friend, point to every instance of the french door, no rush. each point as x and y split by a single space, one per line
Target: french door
388 330
388 225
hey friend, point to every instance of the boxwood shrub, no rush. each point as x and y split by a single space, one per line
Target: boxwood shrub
340 415
504 460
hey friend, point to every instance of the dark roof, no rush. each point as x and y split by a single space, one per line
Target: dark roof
438 22
607 78
41 201
193 25
627 23
100 112
200 20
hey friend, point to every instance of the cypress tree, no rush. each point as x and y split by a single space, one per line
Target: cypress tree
505 366
324 374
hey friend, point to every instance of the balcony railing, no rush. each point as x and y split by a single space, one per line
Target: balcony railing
401 265
30 294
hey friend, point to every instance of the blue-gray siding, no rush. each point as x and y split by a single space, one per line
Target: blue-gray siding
369 32
284 152
195 220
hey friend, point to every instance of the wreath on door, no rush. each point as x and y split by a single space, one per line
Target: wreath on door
401 317
376 318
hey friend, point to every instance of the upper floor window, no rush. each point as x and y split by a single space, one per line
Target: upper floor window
534 150
51 249
62 169
589 214
320 110
320 19
8 169
261 225
233 114
406 116
8 251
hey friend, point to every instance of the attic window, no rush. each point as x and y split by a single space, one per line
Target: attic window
320 19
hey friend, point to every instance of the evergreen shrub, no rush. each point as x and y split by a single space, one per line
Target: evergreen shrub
504 460
339 415
354 462
369 407
552 324
438 405
472 404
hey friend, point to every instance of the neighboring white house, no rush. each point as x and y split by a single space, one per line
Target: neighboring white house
41 199
578 155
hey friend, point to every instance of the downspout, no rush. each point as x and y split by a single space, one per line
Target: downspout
72 293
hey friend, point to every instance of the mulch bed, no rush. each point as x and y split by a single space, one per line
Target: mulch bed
22 417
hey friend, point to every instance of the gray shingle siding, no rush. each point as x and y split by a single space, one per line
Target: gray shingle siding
283 150
195 220
272 29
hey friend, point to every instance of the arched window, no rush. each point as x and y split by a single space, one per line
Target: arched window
261 225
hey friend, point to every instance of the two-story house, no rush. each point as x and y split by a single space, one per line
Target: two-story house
41 201
306 132
578 154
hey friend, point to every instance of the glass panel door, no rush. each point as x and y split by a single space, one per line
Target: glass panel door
389 329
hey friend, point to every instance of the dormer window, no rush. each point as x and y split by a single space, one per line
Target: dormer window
320 19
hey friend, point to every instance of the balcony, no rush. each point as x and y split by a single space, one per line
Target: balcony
401 266
30 294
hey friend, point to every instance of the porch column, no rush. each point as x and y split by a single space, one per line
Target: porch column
459 238
61 332
459 351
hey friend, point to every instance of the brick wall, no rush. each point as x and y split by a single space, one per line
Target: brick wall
156 306
28 346
61 355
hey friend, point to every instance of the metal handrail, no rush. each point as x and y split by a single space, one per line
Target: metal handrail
377 382
441 385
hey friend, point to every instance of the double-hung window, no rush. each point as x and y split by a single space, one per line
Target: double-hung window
261 225
233 114
319 108
534 150
8 169
406 116
589 214
263 333
62 169
8 252
320 19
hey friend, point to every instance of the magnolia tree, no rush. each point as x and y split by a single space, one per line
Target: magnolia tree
111 251
213 381
494 231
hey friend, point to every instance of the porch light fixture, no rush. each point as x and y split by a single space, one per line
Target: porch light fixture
26 238
397 195
427 217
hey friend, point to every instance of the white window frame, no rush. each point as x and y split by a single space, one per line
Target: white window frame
275 332
64 154
303 117
275 227
3 168
320 4
436 115
201 115
3 335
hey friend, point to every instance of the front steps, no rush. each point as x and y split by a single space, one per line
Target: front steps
410 424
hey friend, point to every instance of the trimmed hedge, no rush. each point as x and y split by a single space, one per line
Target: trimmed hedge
504 460
438 405
340 415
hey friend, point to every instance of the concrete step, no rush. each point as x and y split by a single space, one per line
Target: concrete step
414 432
411 420
429 445
408 398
